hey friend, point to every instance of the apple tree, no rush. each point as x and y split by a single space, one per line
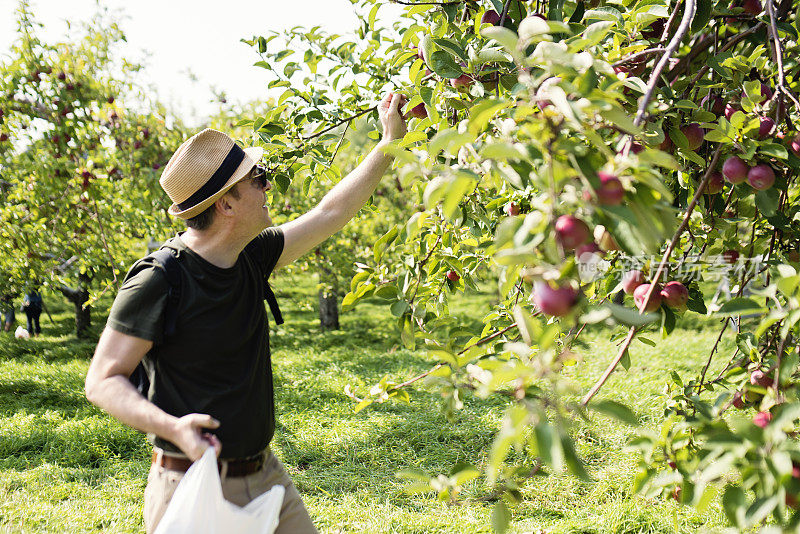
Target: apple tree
81 150
601 163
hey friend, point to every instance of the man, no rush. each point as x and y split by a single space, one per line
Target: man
211 381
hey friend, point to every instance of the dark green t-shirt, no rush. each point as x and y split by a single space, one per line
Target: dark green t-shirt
218 360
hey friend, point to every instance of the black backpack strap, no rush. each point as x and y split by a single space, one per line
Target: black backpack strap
166 258
140 378
269 296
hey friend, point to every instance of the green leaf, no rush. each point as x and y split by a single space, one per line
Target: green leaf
504 36
702 15
774 150
500 517
767 201
444 65
733 503
383 242
596 32
484 111
619 118
573 461
399 308
631 316
740 306
696 302
453 48
616 410
556 11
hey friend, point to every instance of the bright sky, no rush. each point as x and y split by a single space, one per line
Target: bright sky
200 37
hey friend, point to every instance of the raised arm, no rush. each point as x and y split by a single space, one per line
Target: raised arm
345 199
108 386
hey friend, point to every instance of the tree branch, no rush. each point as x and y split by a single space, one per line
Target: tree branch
632 332
339 123
688 16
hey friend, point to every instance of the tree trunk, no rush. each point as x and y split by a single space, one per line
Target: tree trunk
328 310
83 312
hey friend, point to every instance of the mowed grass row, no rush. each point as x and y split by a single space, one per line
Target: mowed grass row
67 467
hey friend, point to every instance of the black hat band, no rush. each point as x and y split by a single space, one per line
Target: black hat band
218 179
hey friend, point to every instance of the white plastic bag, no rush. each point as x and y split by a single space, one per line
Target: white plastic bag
198 507
21 333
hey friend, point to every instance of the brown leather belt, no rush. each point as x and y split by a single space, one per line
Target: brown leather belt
236 467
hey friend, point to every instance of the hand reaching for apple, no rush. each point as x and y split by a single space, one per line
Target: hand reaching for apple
394 125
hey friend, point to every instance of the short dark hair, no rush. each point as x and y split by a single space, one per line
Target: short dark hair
205 218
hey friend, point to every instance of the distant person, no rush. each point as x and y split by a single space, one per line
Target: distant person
32 306
7 307
211 379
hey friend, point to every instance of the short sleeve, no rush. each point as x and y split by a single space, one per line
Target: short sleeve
138 309
266 249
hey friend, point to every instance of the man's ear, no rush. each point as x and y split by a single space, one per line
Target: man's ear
224 206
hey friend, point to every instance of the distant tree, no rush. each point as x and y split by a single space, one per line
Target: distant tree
80 151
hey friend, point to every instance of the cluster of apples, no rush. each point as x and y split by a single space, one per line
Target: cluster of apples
674 294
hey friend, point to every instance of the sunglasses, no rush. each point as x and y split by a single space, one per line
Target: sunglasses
259 175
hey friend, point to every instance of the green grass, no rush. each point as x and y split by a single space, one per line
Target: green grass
67 467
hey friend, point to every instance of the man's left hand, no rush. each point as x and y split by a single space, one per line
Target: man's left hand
394 125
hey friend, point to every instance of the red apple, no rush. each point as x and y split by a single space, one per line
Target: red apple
571 232
3 137
731 256
761 177
555 301
760 378
62 76
675 295
636 147
735 169
656 29
666 145
453 276
631 280
762 419
738 400
490 17
611 192
713 103
418 111
729 111
766 93
640 293
694 135
461 83
752 7
795 145
765 127
716 183
512 209
587 248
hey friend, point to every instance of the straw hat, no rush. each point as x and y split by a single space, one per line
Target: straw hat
203 169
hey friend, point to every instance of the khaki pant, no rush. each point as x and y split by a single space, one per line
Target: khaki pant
294 519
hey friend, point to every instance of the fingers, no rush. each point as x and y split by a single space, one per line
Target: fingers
203 421
214 442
